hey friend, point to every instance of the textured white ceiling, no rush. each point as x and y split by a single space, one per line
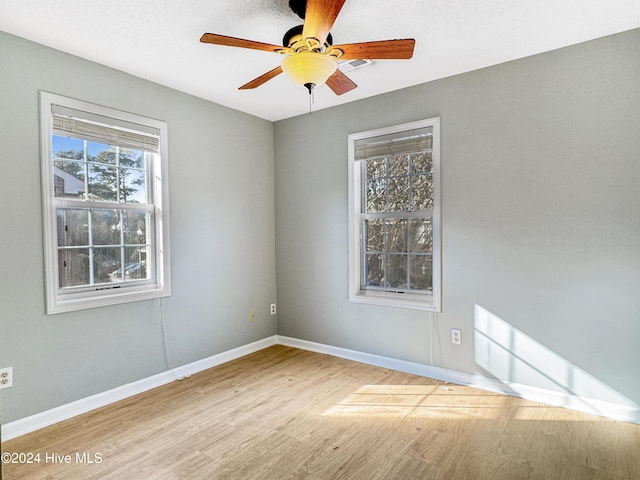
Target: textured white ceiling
159 40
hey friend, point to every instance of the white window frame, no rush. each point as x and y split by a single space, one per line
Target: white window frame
65 300
357 292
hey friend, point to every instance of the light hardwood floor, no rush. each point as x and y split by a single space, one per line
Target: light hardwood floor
284 413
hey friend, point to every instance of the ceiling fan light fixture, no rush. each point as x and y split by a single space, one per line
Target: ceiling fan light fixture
308 67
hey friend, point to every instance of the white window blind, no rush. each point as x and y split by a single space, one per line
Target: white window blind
97 128
398 143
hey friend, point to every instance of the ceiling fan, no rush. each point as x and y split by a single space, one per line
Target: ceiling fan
311 58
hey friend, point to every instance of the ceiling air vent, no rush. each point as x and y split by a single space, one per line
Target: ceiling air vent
353 64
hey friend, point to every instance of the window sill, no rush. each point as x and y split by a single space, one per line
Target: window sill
74 302
388 299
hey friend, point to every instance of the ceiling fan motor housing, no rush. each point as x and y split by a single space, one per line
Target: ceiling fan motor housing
294 35
299 7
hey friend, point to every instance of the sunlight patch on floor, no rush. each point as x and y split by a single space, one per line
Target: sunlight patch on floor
451 401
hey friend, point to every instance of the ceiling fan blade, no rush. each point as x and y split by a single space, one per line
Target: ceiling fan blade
319 18
381 50
238 42
340 83
262 79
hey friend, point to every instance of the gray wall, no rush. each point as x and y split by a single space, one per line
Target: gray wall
540 204
222 237
541 223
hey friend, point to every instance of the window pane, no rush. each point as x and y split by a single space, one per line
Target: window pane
421 163
374 234
422 192
68 179
399 194
135 263
135 227
130 158
396 271
374 275
377 195
103 183
396 234
105 227
73 267
421 272
421 235
73 227
133 186
102 153
65 147
376 168
398 166
106 263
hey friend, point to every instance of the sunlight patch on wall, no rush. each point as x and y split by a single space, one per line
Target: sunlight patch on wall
516 358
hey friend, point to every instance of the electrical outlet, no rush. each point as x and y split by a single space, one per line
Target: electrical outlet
456 336
252 315
6 377
273 309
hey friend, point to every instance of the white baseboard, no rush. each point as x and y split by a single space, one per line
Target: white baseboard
224 357
49 417
615 411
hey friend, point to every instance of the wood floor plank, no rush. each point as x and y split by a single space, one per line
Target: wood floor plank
289 414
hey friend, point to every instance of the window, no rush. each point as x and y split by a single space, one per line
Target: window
105 205
394 216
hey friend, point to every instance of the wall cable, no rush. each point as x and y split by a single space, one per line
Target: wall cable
431 323
165 344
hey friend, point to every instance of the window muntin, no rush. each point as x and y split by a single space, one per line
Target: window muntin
100 245
105 201
394 216
398 227
91 171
